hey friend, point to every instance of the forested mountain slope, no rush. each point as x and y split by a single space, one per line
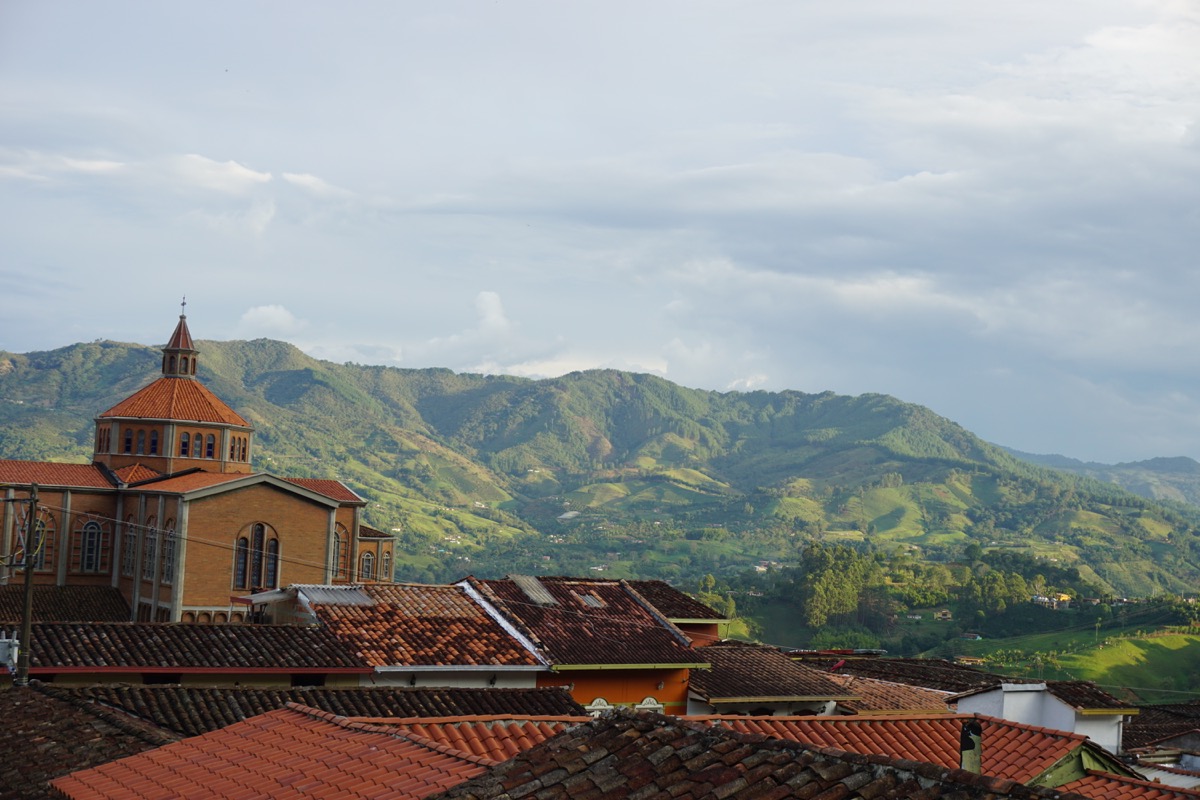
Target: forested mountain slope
623 473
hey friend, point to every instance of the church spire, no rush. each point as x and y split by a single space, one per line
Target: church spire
180 356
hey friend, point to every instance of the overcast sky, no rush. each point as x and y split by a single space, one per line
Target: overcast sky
992 209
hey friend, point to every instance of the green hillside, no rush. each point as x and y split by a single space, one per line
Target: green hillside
626 474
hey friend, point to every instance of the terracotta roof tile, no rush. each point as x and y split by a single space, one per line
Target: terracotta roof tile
1082 695
49 473
183 399
416 624
44 737
64 604
330 488
674 604
1105 786
289 753
181 337
1010 750
191 481
876 697
928 673
589 622
655 757
115 646
1154 723
136 472
191 710
741 670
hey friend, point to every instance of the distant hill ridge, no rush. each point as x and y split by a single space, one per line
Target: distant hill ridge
482 467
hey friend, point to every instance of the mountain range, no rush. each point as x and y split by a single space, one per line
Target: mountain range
634 476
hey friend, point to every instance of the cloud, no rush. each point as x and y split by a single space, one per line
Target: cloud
269 321
229 177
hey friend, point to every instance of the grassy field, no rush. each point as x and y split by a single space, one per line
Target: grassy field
1146 666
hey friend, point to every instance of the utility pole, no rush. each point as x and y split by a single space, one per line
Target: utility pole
22 676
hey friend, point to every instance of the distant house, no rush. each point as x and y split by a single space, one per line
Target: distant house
1076 706
601 638
943 616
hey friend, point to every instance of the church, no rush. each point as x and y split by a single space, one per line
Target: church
172 513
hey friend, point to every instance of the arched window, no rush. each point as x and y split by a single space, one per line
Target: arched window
271 579
91 547
141 450
129 440
341 553
241 562
367 567
210 446
171 365
385 566
256 559
168 561
150 553
153 443
183 363
129 547
184 441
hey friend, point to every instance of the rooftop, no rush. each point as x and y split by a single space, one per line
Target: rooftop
68 735
301 752
1010 750
646 756
64 604
176 399
928 673
191 710
743 672
49 474
421 625
181 647
586 622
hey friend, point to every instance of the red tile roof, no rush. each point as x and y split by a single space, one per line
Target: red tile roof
1104 786
878 697
928 673
64 604
179 647
45 737
496 738
291 753
741 672
181 338
1010 750
674 604
136 472
1154 723
185 482
586 622
49 474
655 758
193 710
183 399
330 488
416 624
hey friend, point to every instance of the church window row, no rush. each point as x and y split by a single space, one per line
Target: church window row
153 556
197 445
103 439
142 442
238 447
256 559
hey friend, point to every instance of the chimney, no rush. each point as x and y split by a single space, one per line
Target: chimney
971 746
